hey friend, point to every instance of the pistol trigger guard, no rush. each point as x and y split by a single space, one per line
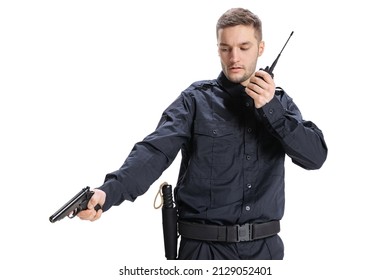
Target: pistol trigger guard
73 213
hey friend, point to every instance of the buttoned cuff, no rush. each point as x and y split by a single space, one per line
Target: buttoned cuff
114 193
272 111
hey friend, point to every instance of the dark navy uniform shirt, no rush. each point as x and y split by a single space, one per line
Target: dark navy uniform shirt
232 169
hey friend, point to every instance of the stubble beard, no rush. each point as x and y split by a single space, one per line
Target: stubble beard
236 78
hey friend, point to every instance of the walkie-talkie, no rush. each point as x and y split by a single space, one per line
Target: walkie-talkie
270 69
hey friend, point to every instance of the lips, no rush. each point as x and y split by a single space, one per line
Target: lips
235 69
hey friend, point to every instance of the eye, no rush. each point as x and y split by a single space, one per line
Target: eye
224 49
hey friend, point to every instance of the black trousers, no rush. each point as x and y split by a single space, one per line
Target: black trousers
270 248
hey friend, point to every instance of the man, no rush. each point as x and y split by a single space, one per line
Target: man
233 133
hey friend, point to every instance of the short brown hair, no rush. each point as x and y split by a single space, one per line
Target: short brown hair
240 16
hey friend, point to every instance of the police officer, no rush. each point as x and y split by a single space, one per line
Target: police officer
233 133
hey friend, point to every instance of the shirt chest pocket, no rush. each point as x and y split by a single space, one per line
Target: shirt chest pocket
216 143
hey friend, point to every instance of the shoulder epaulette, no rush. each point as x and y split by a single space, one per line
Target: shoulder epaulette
205 84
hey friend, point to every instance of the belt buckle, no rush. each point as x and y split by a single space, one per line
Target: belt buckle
244 232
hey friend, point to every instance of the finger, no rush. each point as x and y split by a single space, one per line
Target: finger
258 99
254 95
252 87
264 76
258 84
266 87
90 215
93 202
86 214
257 81
98 215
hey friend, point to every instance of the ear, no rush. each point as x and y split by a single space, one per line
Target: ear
261 48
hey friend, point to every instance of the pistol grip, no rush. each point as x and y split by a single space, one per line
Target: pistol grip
98 207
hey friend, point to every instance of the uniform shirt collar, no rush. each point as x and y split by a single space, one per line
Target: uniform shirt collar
234 89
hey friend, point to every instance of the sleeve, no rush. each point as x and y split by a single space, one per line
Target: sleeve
151 156
302 140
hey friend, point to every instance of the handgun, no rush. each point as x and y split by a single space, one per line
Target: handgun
77 204
268 69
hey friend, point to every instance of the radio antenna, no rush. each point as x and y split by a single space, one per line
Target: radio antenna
270 69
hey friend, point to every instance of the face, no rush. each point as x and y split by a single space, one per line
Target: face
238 50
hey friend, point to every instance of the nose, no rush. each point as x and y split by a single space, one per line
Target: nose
234 55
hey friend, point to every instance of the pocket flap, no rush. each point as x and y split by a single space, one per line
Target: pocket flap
213 128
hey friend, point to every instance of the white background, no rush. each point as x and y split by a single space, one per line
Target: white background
82 81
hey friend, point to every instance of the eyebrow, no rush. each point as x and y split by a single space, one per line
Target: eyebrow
247 43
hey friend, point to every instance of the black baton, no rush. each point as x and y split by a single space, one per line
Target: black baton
169 220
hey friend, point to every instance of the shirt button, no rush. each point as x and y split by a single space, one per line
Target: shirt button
249 130
214 131
247 208
248 157
271 111
249 186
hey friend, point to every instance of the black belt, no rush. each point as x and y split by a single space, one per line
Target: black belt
235 233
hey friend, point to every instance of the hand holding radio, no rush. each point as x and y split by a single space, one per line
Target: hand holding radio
261 87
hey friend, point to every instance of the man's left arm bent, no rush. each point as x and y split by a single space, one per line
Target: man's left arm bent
302 140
